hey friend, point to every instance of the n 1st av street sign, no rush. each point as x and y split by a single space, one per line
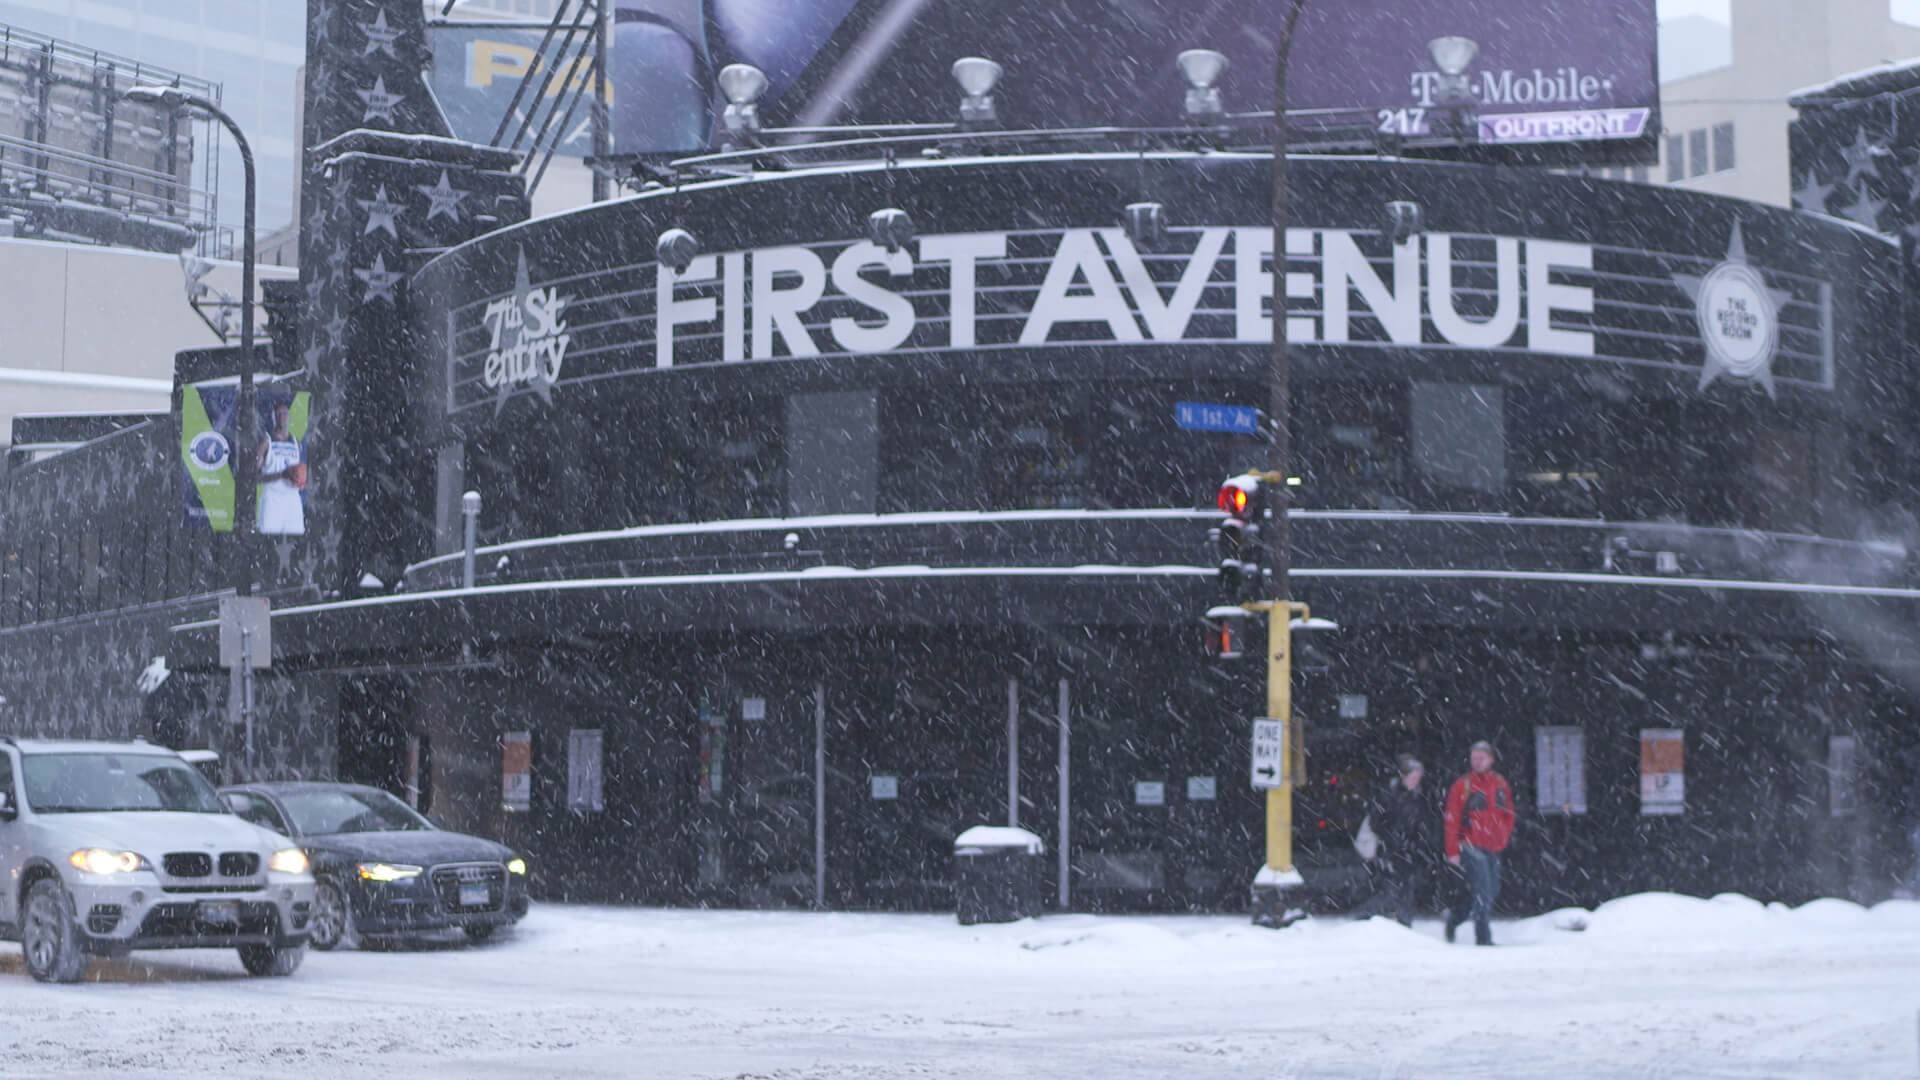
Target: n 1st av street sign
1269 753
1201 416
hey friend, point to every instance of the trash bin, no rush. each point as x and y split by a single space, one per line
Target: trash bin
997 875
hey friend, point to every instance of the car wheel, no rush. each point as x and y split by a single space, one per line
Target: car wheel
267 960
49 936
331 925
478 934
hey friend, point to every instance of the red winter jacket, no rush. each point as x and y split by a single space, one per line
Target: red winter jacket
1479 812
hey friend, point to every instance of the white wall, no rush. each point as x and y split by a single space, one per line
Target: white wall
94 329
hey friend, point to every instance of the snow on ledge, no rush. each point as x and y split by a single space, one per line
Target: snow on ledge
1000 836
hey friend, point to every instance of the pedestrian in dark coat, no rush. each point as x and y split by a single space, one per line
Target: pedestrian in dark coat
1406 826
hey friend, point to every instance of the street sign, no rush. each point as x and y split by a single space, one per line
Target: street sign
1202 416
1269 753
246 632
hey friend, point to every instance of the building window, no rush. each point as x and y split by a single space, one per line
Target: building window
1676 158
1697 152
1722 148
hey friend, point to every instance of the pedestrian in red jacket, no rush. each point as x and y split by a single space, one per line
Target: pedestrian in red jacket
1479 822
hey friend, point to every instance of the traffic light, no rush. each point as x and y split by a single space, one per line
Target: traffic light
1243 500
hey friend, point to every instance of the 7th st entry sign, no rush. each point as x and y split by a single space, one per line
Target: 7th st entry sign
1269 753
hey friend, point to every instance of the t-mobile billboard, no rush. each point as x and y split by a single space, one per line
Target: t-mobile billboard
1563 81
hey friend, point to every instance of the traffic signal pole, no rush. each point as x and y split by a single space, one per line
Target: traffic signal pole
1271 902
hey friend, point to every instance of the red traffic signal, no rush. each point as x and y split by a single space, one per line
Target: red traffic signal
1237 495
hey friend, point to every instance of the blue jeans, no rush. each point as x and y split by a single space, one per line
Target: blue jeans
1483 888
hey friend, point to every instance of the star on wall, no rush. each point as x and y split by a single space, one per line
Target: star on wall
1866 210
380 37
510 337
1747 279
380 103
379 280
1812 195
442 198
336 328
1862 157
381 212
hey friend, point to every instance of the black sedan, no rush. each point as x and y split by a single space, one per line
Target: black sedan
382 868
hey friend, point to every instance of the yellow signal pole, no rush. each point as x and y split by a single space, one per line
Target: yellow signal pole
1279 872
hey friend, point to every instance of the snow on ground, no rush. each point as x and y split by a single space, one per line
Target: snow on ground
1648 986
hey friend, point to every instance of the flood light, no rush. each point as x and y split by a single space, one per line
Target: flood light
742 84
1452 54
891 228
977 77
1202 69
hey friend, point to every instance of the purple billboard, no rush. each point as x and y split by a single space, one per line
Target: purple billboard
1553 82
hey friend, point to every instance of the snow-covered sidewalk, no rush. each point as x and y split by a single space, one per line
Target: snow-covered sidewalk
1650 986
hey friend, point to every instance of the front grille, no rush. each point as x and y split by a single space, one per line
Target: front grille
182 920
103 918
239 864
447 881
187 864
209 889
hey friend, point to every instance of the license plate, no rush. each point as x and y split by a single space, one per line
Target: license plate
220 912
475 896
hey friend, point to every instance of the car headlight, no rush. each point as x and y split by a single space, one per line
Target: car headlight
517 865
289 861
379 871
101 861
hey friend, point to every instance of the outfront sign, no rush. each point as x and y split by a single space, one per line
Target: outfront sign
982 292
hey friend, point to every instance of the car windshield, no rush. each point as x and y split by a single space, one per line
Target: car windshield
95 782
349 810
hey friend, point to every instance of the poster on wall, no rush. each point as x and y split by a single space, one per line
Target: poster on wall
516 771
208 431
1663 771
585 771
1560 765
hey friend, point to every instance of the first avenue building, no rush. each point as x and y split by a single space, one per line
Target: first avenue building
826 511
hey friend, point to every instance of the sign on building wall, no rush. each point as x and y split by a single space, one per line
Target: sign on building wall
1560 769
1046 288
585 771
516 771
1663 771
209 431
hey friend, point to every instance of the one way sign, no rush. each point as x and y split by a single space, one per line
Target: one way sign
1269 753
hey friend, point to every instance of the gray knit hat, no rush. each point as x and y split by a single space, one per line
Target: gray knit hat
1484 745
1408 763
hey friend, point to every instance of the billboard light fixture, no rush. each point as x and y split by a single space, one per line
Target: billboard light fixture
977 77
742 84
1146 224
1453 54
1202 68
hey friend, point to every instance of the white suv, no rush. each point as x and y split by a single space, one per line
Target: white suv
110 847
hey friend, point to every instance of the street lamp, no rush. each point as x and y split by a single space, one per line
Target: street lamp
246 463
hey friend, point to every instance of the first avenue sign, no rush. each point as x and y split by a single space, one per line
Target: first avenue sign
1096 287
1038 289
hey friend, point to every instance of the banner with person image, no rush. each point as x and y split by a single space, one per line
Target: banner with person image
208 433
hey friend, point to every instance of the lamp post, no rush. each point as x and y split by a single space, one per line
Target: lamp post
246 462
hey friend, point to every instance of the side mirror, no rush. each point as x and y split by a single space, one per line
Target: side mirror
8 811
